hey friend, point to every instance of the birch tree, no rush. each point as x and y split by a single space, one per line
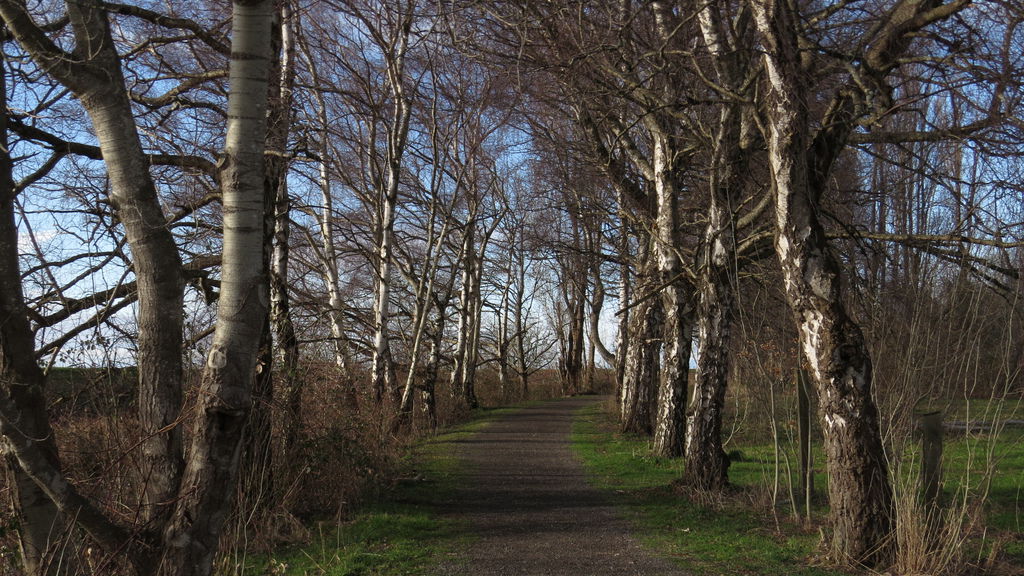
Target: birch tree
318 121
801 159
393 40
726 38
186 502
94 74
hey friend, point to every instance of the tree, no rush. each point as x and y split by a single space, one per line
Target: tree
94 75
801 159
41 521
185 504
718 257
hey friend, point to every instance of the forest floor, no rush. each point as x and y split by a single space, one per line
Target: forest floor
524 499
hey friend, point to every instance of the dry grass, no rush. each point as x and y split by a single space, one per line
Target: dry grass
348 451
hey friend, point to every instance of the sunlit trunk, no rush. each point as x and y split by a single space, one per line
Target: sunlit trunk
225 397
461 390
677 334
860 496
382 373
423 286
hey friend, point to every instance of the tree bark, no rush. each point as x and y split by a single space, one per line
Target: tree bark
225 397
256 489
464 369
641 367
670 424
707 465
625 295
428 388
860 495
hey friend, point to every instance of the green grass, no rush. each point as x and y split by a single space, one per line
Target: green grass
726 538
402 533
991 465
739 535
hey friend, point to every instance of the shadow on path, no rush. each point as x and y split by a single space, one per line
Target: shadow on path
526 501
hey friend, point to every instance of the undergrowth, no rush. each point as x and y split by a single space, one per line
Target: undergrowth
401 532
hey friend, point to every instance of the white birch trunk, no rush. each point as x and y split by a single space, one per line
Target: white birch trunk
327 252
670 422
383 370
191 537
859 491
424 287
459 389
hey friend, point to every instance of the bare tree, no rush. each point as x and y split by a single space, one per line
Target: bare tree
718 256
185 502
801 160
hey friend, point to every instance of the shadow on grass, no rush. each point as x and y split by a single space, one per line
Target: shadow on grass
726 537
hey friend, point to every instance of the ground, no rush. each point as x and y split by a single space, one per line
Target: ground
529 509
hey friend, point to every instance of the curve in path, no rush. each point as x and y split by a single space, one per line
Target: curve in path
529 508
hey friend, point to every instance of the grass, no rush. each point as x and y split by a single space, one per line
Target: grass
401 533
723 537
739 534
404 532
991 465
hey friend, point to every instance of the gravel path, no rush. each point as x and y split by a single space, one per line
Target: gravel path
530 510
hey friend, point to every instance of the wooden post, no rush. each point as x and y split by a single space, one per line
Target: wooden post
930 424
804 425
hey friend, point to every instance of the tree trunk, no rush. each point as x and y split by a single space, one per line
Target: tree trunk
707 465
503 341
423 287
670 424
428 388
469 364
519 313
40 525
464 368
570 334
706 462
256 489
327 252
155 259
625 295
640 372
383 371
596 307
225 398
859 491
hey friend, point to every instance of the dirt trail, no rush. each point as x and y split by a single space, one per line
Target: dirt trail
530 510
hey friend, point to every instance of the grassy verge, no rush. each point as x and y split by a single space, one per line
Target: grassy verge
402 533
723 537
737 534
